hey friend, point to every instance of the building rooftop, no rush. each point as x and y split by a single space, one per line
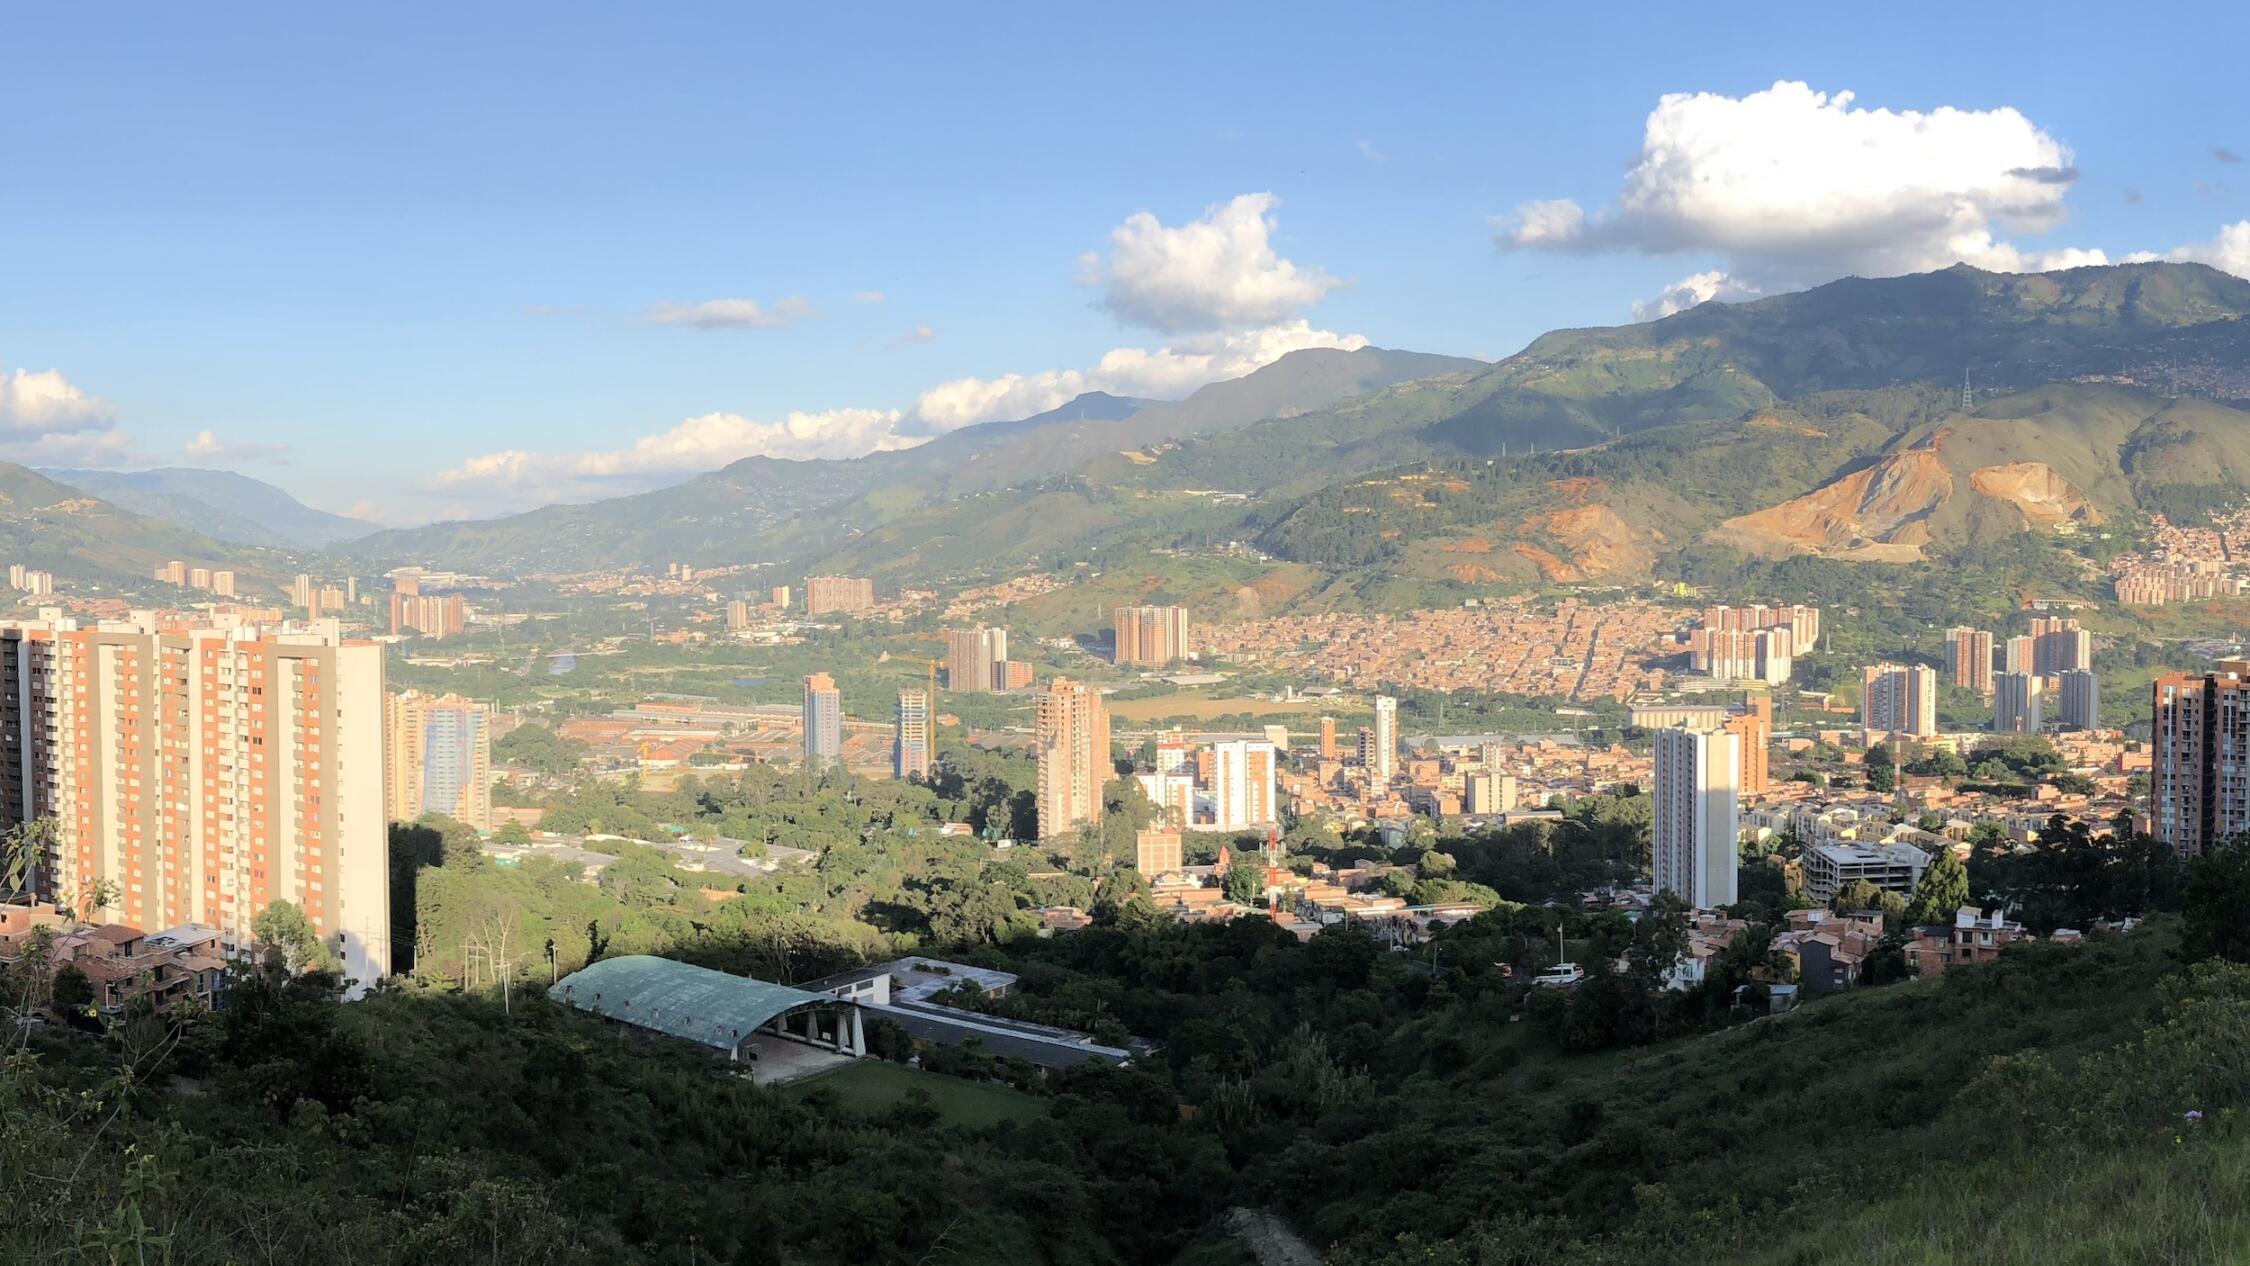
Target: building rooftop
916 978
695 1003
1870 854
185 936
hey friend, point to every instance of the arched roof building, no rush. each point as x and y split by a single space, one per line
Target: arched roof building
710 1008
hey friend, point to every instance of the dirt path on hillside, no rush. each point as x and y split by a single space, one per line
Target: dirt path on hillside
1269 1239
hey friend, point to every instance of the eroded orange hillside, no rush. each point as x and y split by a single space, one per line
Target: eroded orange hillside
1879 513
1600 543
2037 491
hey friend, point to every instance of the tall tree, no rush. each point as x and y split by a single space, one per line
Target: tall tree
1859 894
2216 920
1944 889
289 939
1246 880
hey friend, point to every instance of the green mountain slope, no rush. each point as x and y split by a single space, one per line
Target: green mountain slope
1828 422
726 516
2009 330
51 525
1703 429
220 504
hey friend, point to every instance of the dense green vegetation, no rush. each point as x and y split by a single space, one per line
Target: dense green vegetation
418 1124
419 1128
884 879
1618 1123
1897 1125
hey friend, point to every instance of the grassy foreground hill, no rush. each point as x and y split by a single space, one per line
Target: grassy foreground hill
2032 1110
1900 1124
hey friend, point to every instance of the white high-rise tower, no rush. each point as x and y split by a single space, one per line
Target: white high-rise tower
1386 738
1697 818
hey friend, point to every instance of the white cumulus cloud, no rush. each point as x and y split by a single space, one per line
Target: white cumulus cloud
1167 372
1791 187
1216 272
693 446
734 314
46 419
207 446
1690 291
44 402
1555 222
1228 302
2227 252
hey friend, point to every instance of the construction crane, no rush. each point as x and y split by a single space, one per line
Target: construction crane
930 664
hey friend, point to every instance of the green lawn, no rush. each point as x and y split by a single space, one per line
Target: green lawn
871 1086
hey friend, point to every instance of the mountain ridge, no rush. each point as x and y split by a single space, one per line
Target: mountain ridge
1608 434
48 524
223 504
732 515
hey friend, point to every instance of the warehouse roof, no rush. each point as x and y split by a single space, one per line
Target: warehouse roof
680 999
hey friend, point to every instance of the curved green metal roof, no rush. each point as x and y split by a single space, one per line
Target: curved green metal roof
685 1001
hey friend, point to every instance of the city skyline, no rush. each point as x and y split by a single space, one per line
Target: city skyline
887 634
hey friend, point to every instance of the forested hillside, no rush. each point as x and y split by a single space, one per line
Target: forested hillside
1981 1115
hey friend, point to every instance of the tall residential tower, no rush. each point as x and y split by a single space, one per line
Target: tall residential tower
440 758
206 773
2200 794
911 747
1151 637
1072 742
1697 815
824 721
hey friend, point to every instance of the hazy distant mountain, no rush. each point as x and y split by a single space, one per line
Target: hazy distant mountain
764 508
220 504
59 527
1093 406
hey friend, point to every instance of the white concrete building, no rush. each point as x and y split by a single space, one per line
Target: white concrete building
1386 738
1697 815
1242 784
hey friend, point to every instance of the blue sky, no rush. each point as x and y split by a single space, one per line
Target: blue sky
416 265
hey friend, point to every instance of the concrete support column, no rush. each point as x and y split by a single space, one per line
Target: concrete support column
859 1035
